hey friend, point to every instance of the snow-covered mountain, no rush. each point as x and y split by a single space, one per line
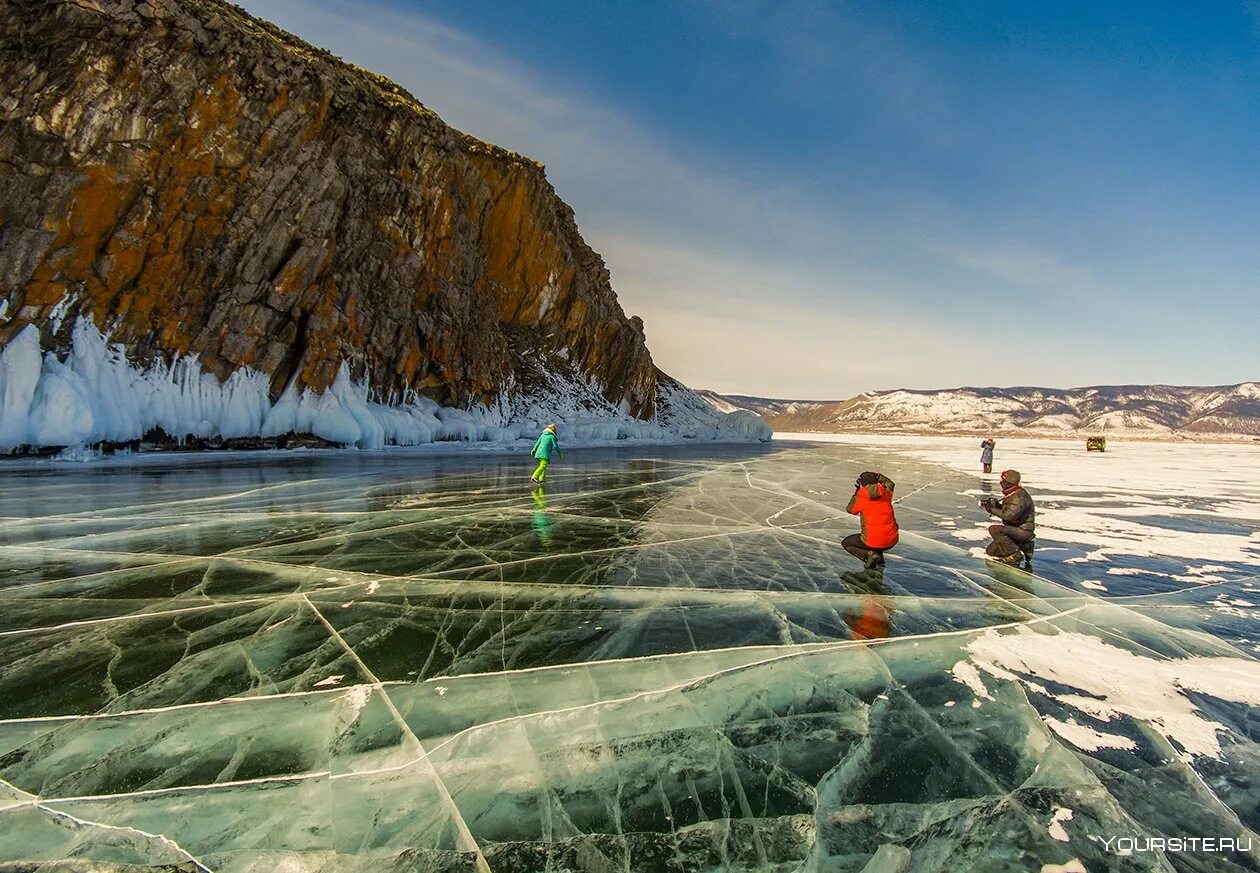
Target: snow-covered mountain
1123 410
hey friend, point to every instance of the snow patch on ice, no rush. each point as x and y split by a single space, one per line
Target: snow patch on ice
356 697
978 533
1118 683
1073 866
1086 738
966 673
1061 814
1128 536
1207 574
1234 606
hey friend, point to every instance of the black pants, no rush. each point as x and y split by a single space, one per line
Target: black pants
1009 540
854 546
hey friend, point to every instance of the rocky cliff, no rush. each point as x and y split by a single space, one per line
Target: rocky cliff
200 182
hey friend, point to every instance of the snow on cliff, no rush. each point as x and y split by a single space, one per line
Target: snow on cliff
95 395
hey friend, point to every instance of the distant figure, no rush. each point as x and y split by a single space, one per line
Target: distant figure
1018 528
872 501
986 453
544 448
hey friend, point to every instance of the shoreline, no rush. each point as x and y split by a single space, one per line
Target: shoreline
82 456
95 458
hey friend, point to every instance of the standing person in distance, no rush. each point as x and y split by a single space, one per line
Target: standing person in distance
872 501
546 446
1018 528
986 453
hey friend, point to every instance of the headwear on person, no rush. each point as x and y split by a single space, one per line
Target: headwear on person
868 479
1010 480
552 428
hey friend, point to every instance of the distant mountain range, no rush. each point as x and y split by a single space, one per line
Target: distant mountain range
1143 411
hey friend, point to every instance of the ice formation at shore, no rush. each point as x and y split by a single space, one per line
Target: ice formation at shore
96 395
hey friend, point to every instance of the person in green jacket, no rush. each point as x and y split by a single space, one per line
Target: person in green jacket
543 450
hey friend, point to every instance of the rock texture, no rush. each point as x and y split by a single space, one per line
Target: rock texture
198 181
1143 411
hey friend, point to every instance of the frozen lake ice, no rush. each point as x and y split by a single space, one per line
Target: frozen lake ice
664 661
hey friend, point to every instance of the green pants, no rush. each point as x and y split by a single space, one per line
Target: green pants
541 473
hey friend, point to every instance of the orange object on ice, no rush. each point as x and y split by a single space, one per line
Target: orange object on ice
872 624
874 503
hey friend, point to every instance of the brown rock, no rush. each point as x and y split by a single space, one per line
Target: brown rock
200 181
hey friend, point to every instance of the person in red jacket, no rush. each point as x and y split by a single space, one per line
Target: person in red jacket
872 501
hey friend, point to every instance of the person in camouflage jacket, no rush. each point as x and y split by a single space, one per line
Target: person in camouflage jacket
1015 535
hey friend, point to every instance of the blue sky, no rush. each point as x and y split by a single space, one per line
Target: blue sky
816 199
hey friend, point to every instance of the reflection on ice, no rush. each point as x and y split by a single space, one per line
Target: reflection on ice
666 662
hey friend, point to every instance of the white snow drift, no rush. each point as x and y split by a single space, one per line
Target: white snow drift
96 395
1117 683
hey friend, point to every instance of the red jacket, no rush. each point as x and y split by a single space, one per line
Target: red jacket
874 503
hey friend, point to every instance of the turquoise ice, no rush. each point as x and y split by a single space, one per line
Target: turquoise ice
393 661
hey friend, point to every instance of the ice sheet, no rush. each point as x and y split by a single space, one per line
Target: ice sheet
662 661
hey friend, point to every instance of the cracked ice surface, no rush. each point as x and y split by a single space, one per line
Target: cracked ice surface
664 662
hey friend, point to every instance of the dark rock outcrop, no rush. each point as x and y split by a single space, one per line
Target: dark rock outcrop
198 181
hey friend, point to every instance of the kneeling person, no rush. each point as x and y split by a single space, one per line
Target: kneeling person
872 501
1018 528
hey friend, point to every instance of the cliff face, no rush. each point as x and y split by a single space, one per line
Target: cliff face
197 181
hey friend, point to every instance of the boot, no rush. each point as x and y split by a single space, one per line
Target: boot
873 559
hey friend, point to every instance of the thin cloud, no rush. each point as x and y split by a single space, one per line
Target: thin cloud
1020 263
727 323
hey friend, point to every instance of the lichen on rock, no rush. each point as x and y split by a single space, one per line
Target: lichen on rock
198 182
